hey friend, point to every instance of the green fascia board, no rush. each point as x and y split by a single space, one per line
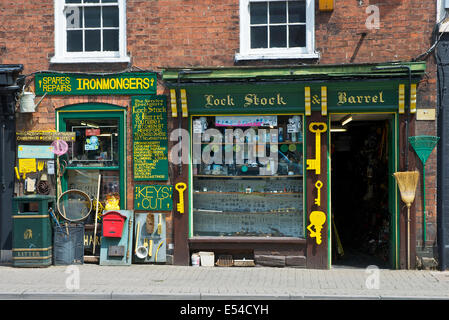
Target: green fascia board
394 69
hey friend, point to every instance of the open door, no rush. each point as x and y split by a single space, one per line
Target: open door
363 191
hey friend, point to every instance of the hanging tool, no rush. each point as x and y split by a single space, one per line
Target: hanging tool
137 237
96 213
129 239
159 225
158 247
150 248
407 182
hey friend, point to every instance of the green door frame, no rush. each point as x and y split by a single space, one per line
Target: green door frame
98 111
393 200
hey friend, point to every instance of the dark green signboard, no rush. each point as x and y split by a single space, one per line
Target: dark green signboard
152 197
150 140
79 84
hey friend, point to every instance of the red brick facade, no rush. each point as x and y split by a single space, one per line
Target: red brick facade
202 33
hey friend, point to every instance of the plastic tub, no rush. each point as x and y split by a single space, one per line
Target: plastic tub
207 259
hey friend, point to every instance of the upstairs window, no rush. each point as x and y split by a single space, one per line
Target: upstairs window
277 29
90 31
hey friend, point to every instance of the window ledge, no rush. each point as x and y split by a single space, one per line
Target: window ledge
67 60
261 56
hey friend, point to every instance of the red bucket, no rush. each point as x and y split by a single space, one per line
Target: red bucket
113 224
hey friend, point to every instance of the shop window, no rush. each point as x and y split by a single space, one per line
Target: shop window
277 29
90 31
94 152
247 176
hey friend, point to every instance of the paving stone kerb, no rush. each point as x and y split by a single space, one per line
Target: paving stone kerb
193 283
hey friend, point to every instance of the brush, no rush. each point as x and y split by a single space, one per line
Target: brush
159 225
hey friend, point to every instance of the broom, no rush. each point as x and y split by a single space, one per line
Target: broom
407 182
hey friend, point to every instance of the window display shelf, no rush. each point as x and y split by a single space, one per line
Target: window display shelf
247 177
248 193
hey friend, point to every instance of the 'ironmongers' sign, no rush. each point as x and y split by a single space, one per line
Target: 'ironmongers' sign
79 84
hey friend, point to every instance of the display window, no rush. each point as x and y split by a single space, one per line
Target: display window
96 153
248 176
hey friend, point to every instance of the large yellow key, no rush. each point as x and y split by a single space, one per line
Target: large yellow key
317 219
181 186
317 128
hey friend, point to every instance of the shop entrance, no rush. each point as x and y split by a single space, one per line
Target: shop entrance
362 206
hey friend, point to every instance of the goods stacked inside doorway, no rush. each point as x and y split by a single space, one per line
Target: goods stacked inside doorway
360 194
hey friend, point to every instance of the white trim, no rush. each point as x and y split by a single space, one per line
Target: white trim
61 54
246 53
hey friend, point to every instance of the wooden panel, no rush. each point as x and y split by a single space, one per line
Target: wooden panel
316 253
180 173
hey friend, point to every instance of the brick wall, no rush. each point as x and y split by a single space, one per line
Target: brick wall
206 33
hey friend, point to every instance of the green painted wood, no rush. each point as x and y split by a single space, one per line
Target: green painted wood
90 84
98 111
150 139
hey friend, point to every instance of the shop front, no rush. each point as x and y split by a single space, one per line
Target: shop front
293 166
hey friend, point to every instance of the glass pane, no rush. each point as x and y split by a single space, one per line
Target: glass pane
259 37
96 145
278 37
109 1
72 1
238 198
92 40
297 36
74 41
110 40
92 17
278 12
87 182
258 13
91 1
110 16
74 17
296 11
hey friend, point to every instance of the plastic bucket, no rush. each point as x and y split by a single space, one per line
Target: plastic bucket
207 259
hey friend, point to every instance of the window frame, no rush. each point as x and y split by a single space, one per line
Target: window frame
61 54
246 53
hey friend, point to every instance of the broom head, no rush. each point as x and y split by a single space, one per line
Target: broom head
407 182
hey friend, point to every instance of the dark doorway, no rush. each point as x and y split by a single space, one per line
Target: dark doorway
360 210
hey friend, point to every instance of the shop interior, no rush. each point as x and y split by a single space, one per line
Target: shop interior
360 208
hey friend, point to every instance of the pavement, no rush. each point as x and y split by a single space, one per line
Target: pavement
168 282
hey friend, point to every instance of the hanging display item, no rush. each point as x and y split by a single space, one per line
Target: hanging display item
317 220
317 128
180 187
318 186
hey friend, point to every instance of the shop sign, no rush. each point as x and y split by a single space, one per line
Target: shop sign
153 197
150 140
45 136
78 84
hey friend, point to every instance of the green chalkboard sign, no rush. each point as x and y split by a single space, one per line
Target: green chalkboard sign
79 84
153 197
150 140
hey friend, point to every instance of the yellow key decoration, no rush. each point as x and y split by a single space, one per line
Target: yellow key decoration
317 219
318 186
317 128
181 186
